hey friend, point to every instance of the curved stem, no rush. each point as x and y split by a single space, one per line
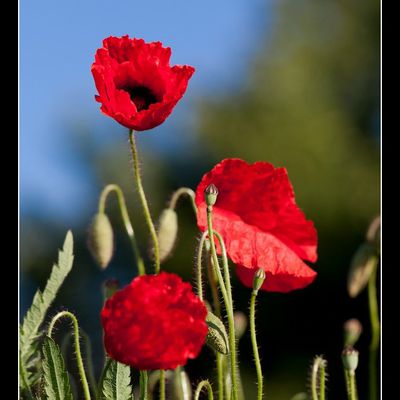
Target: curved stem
199 262
81 368
89 363
143 200
143 383
125 217
220 375
227 300
375 328
162 384
199 388
180 192
254 344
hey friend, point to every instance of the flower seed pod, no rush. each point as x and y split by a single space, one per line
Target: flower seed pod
350 359
240 323
352 329
217 337
259 278
364 261
211 194
101 240
167 233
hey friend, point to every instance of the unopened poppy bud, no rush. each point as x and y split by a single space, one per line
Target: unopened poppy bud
217 337
182 387
109 287
101 240
240 323
373 235
352 330
167 233
259 278
211 194
350 359
363 263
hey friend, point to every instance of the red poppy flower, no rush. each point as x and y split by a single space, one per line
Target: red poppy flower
260 223
137 86
156 322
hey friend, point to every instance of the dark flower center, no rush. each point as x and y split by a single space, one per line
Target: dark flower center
142 96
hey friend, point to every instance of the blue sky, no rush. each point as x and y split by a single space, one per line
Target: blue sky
57 45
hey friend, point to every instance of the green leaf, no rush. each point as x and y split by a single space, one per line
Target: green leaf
117 382
29 332
57 385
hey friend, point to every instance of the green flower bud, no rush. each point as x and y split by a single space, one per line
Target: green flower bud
240 323
217 337
363 263
167 233
101 240
109 287
211 194
373 235
181 386
352 330
350 359
259 278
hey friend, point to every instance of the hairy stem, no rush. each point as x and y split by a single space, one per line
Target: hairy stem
143 200
375 329
227 299
143 383
79 360
351 386
199 264
125 218
204 384
254 344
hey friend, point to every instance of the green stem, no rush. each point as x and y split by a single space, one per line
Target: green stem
227 298
375 329
254 344
204 384
199 263
125 217
79 360
220 375
351 386
145 206
183 191
143 382
162 384
89 363
318 378
217 308
322 383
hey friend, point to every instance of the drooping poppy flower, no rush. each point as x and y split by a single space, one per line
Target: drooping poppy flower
156 322
137 86
260 223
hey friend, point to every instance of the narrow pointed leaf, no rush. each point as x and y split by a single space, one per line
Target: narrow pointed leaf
57 385
29 331
117 382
